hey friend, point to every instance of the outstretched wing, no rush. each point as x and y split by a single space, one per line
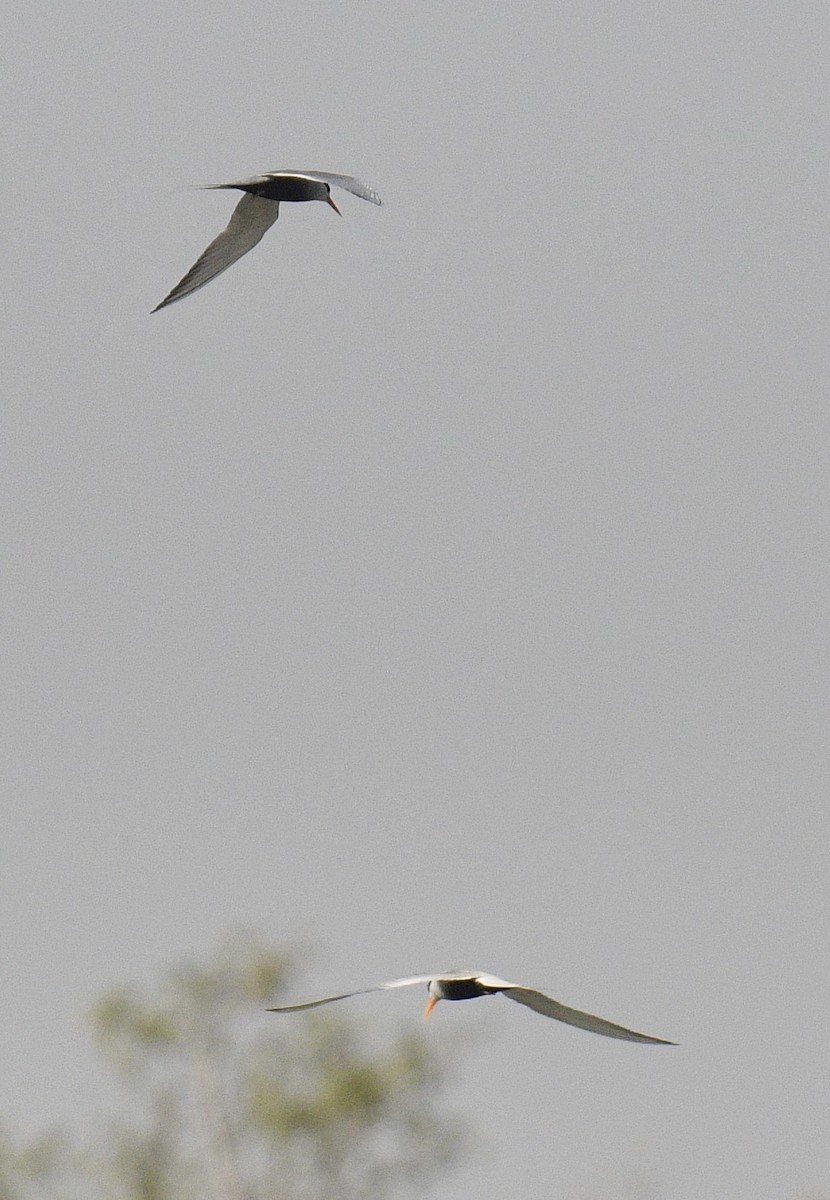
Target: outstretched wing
377 987
317 1003
347 182
251 218
543 1004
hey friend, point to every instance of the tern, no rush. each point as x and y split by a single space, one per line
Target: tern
255 213
469 985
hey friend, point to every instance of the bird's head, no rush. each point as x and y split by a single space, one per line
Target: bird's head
433 996
329 200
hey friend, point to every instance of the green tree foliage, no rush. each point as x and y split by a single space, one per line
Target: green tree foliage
227 1102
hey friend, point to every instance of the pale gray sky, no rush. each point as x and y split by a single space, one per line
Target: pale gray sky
447 585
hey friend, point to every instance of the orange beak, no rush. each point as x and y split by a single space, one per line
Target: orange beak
330 202
430 1006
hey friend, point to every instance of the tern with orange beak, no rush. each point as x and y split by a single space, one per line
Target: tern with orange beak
255 213
469 985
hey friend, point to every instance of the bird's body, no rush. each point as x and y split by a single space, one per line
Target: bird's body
450 988
255 213
470 985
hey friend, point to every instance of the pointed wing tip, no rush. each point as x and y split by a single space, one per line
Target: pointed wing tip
656 1041
170 299
631 1035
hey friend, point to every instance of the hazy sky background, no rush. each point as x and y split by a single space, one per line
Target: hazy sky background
446 585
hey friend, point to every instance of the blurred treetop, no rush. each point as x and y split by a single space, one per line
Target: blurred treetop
228 1102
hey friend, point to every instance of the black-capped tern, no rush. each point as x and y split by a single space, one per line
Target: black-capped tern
469 985
255 213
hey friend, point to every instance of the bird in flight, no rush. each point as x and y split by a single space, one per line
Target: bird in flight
469 985
255 213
